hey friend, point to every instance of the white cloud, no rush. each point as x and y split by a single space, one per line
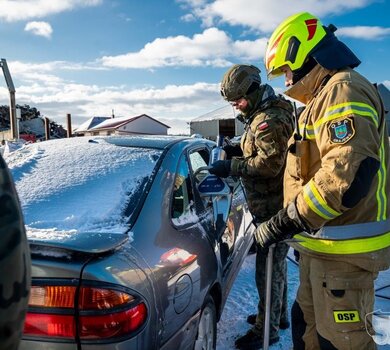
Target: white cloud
39 86
249 50
364 32
189 17
27 70
213 47
39 28
17 10
265 15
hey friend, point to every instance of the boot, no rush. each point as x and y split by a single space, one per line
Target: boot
251 319
283 324
252 341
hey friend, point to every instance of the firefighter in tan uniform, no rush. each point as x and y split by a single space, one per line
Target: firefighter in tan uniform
14 264
260 162
336 186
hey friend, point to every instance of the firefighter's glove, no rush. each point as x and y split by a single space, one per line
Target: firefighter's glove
232 151
221 168
285 224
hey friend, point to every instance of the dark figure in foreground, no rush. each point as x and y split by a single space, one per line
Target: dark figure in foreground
14 264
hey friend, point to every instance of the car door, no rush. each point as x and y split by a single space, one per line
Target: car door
206 251
190 266
228 223
236 236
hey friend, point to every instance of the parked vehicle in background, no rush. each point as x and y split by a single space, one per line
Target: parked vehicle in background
127 253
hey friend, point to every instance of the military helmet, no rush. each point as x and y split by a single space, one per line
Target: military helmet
291 43
237 81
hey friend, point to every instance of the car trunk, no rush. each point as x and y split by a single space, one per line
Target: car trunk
77 283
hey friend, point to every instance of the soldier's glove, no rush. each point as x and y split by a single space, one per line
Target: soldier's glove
221 168
232 151
285 224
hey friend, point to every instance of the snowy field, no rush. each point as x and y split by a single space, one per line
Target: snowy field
243 300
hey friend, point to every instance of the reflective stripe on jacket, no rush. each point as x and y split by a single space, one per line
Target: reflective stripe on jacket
348 239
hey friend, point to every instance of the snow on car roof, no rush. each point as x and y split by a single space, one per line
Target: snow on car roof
78 184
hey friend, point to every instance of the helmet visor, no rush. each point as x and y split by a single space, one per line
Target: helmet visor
274 73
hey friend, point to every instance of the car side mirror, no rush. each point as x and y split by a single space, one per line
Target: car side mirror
221 196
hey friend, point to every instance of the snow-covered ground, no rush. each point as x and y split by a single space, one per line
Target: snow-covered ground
243 300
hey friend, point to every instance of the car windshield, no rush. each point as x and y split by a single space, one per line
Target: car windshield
79 184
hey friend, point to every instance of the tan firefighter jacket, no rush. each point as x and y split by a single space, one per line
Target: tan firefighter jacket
338 174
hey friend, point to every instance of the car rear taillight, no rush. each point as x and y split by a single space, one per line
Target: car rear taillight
101 313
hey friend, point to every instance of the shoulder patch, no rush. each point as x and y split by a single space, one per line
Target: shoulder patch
341 131
262 126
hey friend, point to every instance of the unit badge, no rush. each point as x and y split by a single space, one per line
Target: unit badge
341 131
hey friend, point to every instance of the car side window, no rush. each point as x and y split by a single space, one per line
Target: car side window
198 159
182 191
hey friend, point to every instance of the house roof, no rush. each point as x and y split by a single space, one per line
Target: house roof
90 123
225 112
114 123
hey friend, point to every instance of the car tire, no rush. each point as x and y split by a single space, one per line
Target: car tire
206 336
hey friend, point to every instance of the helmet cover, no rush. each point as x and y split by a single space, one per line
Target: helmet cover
237 81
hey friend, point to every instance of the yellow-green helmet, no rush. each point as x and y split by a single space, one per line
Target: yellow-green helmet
291 43
237 81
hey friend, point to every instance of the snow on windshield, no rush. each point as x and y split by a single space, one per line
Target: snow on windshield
71 185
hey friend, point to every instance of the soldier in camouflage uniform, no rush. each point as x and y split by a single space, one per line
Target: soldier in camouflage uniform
260 162
14 264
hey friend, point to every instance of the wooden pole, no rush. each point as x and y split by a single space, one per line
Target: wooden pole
47 128
69 125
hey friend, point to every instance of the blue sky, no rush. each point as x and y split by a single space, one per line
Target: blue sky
159 57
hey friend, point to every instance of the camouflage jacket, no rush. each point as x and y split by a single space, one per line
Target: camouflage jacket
264 145
14 264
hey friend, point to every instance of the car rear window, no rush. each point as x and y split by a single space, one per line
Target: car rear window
80 184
